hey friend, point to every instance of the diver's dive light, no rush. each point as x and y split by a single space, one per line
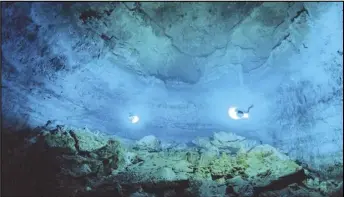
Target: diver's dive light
134 119
236 114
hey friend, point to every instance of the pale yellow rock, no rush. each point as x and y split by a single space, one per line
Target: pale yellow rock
265 164
192 157
61 140
89 141
206 158
182 166
221 166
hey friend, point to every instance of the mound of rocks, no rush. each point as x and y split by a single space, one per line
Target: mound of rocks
78 162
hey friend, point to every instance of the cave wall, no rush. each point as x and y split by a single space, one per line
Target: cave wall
311 99
179 66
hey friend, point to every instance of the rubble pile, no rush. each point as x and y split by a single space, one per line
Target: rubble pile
67 161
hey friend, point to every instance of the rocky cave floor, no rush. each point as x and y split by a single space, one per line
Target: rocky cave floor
66 161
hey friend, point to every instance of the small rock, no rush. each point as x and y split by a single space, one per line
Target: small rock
62 141
232 142
266 164
182 166
173 145
241 187
131 5
192 157
226 137
221 166
130 158
165 174
267 150
141 194
182 176
202 142
207 157
149 142
89 141
83 170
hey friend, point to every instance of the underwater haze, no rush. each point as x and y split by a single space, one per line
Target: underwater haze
269 71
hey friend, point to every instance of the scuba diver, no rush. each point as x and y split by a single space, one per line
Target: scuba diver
133 118
244 114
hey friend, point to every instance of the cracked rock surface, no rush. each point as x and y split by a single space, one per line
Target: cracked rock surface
106 167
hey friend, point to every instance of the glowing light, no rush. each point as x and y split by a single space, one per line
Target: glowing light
232 112
245 115
134 119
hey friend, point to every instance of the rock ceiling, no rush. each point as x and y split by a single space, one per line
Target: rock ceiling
179 66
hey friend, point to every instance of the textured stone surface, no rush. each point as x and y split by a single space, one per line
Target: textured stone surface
149 142
105 171
179 66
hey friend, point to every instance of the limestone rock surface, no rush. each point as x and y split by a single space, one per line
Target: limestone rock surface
106 166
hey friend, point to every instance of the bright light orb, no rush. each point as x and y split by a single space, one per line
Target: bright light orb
233 113
245 115
134 119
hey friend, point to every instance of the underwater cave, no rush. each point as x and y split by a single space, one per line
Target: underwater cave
172 99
